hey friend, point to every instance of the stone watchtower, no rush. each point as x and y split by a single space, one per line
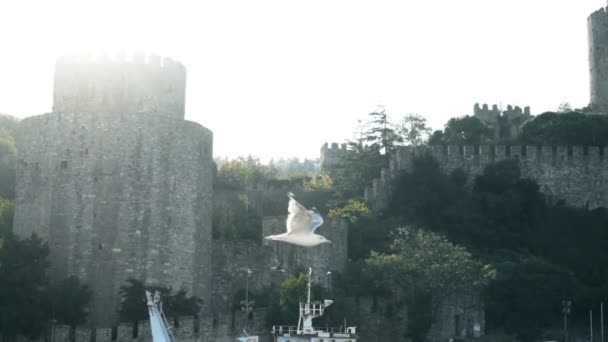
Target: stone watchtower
331 156
597 25
116 181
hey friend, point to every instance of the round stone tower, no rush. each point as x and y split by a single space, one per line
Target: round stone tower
117 182
84 84
597 24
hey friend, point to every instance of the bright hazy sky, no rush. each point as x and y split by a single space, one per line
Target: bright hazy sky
279 78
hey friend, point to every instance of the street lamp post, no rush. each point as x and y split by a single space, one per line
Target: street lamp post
247 304
566 304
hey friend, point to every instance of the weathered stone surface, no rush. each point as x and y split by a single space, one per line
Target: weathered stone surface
331 155
597 27
230 261
117 195
84 84
576 175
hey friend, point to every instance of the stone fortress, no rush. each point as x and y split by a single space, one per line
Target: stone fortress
116 180
577 175
121 186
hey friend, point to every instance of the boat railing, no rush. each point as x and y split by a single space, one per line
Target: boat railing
290 329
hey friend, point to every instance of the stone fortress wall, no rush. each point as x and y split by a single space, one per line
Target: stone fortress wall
576 174
121 192
219 328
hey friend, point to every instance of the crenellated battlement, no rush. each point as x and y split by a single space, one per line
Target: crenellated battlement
334 146
576 174
135 83
331 155
136 58
600 14
484 112
511 119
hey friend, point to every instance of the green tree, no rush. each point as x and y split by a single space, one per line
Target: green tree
351 211
7 210
290 166
413 129
467 130
381 132
70 301
566 129
243 172
319 183
235 219
8 123
356 170
134 308
526 296
421 264
565 107
24 286
291 292
8 162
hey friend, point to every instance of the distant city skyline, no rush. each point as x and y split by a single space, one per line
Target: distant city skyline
279 78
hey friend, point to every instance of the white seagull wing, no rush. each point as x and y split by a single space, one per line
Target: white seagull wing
316 220
299 219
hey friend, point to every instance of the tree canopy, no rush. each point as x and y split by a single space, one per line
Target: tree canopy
567 129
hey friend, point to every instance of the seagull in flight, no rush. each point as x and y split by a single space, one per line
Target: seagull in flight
301 226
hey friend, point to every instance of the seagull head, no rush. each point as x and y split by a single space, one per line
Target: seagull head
323 240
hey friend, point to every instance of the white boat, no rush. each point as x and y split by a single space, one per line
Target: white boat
306 332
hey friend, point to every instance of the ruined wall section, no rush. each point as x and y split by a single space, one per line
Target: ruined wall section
85 83
597 26
578 175
117 196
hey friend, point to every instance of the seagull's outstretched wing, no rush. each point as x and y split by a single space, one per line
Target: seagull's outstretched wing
316 220
299 220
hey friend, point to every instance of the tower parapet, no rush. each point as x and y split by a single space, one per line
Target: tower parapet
597 26
505 123
96 84
331 155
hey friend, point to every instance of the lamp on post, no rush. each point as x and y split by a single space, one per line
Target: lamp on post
566 304
247 305
329 282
